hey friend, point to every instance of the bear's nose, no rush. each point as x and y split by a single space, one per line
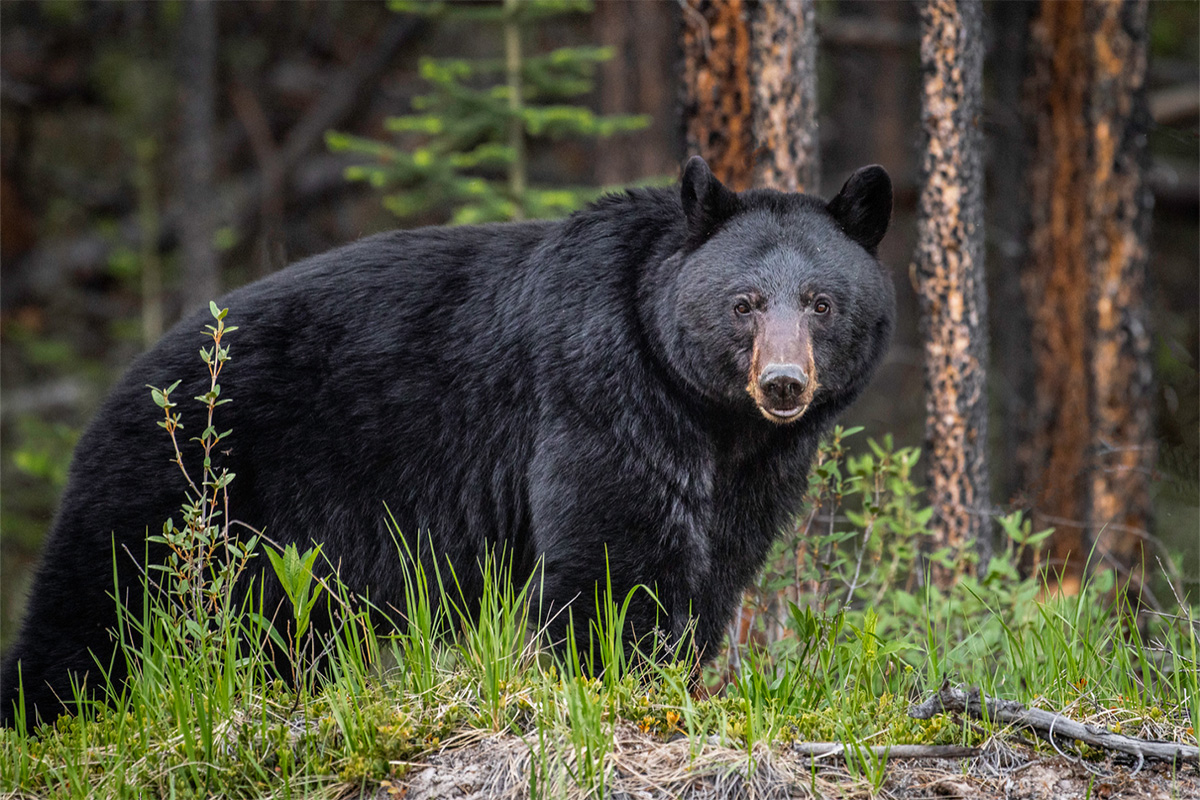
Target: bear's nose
782 384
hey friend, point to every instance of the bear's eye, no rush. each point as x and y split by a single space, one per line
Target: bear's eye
742 308
822 306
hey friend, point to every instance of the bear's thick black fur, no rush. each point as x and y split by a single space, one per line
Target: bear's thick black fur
644 382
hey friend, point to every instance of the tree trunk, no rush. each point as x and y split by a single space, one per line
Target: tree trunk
750 86
1008 233
517 169
783 70
949 272
1087 463
1122 381
638 80
197 71
1054 460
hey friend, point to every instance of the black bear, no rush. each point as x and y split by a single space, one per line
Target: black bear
636 389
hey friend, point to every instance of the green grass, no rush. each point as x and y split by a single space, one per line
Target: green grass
218 721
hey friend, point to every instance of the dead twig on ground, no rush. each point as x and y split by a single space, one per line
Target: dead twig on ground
1049 725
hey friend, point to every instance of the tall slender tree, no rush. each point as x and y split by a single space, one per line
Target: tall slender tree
197 72
1055 281
1088 460
950 279
1121 377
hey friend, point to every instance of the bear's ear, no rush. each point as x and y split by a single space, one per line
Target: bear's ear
706 201
864 206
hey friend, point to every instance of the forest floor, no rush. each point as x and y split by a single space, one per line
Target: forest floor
645 767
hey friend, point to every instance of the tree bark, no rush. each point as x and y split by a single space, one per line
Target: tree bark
638 80
1121 377
200 281
1089 458
949 271
750 86
1008 233
783 70
1055 283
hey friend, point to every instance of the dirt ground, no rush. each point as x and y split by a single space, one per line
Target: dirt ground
643 767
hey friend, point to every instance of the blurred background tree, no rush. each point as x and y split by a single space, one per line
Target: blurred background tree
475 121
86 219
1088 449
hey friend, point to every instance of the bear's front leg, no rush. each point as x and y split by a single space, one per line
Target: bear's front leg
603 515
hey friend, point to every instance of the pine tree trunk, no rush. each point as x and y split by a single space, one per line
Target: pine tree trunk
717 111
949 272
750 86
1008 234
1054 460
1088 461
1121 378
197 72
783 69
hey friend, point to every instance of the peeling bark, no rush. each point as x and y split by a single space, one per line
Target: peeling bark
750 91
1122 382
1055 283
948 269
716 83
1091 453
783 68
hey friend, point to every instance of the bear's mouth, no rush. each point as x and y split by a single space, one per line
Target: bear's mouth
783 416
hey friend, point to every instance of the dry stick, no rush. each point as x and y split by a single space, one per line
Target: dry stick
1009 712
827 749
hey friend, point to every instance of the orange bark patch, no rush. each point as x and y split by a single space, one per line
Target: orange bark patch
1056 282
716 44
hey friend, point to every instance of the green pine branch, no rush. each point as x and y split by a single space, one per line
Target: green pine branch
462 151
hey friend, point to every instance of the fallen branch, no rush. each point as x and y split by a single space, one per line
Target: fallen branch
1048 724
828 749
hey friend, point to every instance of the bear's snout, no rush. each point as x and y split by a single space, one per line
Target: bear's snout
781 386
783 373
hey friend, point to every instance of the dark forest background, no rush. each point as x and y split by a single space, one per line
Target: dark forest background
100 200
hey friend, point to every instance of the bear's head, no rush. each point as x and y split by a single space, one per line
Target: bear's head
777 303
